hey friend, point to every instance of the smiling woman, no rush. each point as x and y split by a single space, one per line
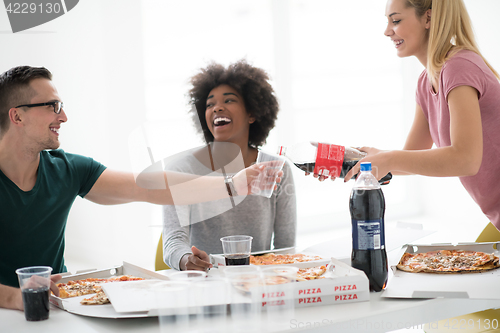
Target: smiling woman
410 30
235 108
226 116
241 90
457 101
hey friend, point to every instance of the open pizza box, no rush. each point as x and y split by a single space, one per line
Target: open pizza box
218 260
343 284
479 285
73 305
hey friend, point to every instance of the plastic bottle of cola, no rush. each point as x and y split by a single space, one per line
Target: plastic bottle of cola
367 208
326 159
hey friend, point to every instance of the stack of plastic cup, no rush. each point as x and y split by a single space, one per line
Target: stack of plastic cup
246 288
212 300
173 306
279 296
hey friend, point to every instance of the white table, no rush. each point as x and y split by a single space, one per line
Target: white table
12 321
377 315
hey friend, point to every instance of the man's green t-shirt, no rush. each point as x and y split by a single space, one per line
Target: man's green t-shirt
32 223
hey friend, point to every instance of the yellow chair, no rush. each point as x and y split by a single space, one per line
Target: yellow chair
489 234
159 263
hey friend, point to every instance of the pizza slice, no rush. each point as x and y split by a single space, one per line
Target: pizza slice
281 259
97 299
78 288
311 273
90 286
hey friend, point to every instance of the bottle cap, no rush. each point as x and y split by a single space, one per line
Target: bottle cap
281 150
366 166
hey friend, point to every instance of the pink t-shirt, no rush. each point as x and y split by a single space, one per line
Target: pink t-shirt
467 68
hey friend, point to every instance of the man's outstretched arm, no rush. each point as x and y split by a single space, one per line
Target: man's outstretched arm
116 187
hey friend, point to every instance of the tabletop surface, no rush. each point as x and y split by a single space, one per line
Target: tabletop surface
379 314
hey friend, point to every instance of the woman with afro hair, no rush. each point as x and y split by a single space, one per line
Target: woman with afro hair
234 108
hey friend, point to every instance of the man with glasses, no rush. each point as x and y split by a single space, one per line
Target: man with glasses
39 182
56 105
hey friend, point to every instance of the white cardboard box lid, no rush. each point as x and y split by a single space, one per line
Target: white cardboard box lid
344 279
72 305
484 285
140 296
149 295
124 269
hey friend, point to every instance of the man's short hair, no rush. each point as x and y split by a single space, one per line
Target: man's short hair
15 90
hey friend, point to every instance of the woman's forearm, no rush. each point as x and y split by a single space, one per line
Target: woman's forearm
438 162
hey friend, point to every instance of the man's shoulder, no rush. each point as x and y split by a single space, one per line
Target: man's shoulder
56 156
55 153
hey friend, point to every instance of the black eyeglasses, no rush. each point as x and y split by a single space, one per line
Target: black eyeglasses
57 106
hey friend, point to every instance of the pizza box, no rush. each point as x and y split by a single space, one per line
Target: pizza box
358 296
218 260
73 305
340 279
341 284
482 285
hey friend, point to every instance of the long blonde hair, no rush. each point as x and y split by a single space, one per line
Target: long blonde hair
450 30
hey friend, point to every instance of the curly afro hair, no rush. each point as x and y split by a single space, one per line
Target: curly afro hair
251 82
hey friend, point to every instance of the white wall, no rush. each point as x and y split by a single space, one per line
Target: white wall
104 69
95 55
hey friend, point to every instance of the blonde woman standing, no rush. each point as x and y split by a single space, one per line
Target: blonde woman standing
457 102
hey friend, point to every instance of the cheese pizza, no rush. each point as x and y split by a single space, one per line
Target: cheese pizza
311 273
90 286
448 261
280 259
303 274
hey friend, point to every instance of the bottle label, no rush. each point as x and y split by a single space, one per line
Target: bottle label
368 235
329 160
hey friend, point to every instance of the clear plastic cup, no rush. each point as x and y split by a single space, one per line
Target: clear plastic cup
173 301
264 184
279 296
246 298
237 249
212 299
35 288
